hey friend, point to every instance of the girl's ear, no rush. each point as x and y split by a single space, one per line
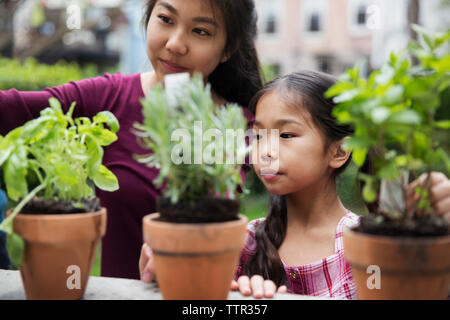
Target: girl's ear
338 155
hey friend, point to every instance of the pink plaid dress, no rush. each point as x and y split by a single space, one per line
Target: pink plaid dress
329 277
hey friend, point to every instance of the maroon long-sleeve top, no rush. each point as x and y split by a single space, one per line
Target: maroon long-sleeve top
137 195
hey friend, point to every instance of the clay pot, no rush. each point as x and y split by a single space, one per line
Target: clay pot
195 261
410 268
56 245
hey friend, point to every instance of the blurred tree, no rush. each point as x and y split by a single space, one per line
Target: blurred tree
413 17
7 9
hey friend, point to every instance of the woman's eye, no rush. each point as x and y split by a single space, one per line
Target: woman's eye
287 135
256 136
201 32
165 19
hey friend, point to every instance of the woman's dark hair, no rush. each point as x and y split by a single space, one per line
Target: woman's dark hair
305 90
239 78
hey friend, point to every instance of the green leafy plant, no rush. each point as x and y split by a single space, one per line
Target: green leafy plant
393 113
214 174
63 154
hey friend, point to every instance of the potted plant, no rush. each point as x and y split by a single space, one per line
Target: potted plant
197 235
401 250
59 159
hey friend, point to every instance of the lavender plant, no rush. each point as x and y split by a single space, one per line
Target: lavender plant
199 148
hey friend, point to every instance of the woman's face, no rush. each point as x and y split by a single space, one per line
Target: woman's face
185 36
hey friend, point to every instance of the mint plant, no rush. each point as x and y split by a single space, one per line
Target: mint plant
63 154
393 113
208 159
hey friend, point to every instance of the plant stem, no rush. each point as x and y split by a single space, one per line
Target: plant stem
7 223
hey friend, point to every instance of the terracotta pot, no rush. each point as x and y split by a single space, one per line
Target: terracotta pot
410 268
55 245
195 261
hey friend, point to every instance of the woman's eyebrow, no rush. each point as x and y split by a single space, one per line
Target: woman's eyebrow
168 7
196 19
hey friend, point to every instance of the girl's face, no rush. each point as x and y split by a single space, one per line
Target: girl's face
185 36
288 153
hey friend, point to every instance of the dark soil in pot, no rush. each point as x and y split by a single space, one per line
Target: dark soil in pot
39 205
203 211
425 226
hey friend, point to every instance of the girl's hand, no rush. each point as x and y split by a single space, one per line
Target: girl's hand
146 265
439 192
257 285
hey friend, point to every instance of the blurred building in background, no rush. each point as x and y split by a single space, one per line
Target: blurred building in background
332 35
394 33
325 35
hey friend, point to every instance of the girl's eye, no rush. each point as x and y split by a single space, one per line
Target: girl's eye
287 135
201 32
165 19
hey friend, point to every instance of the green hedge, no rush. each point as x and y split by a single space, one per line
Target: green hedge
33 76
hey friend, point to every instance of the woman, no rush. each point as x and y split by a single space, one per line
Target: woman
213 37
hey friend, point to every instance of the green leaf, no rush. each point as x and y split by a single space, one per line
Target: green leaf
95 153
7 226
339 88
442 124
105 179
107 137
5 152
66 173
15 173
394 94
389 171
359 156
34 127
369 194
346 96
401 160
408 117
357 142
55 104
380 114
15 246
108 118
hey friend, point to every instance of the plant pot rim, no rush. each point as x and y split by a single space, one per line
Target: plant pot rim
57 216
389 239
52 228
150 219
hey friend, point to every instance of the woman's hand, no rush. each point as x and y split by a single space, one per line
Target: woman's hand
257 285
146 265
439 192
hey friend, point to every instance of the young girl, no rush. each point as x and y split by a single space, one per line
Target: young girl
212 37
298 155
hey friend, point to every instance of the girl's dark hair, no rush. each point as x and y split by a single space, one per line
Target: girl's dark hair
305 90
239 78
